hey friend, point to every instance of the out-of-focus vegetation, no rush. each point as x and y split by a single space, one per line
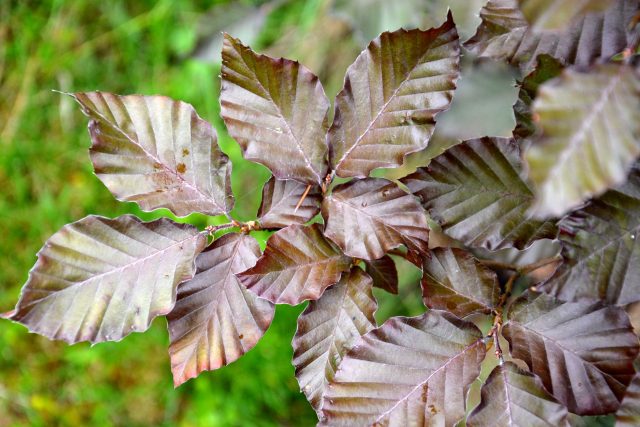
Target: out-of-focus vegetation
171 48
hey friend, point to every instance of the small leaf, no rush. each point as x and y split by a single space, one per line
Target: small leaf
504 34
277 111
101 279
590 135
384 274
558 14
369 217
478 193
601 249
410 371
514 397
298 264
216 320
454 280
328 328
391 97
158 153
583 352
279 201
629 413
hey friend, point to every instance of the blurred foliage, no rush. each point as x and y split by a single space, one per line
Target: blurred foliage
161 47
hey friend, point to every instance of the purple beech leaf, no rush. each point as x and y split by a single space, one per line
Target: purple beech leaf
328 328
384 273
629 413
298 264
504 34
409 371
601 249
158 153
100 279
590 135
558 14
392 94
277 111
369 217
582 352
513 397
216 320
478 193
279 201
454 280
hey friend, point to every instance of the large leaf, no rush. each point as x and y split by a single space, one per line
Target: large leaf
410 371
601 249
277 110
384 273
558 14
216 320
583 352
280 199
369 217
590 126
505 34
158 153
391 96
514 397
328 328
101 279
629 413
454 280
478 192
298 264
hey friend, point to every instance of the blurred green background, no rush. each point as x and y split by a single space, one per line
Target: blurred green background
171 48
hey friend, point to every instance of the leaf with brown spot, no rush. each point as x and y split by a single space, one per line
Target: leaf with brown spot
280 199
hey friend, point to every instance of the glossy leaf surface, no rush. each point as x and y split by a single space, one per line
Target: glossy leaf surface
590 125
384 273
369 217
478 192
277 111
328 328
410 371
158 153
100 279
455 280
582 352
298 264
512 397
216 320
391 96
558 14
280 199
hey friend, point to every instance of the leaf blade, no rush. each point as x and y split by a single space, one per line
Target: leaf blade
384 273
558 14
280 199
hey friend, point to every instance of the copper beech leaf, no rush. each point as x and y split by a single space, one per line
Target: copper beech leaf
384 273
601 248
298 264
280 199
158 153
100 279
479 194
392 94
369 217
583 352
629 413
328 328
514 397
454 280
558 14
590 135
277 111
409 371
504 34
216 320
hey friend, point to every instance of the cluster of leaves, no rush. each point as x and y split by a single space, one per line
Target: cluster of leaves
572 346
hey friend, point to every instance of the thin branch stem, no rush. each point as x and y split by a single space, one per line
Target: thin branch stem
304 196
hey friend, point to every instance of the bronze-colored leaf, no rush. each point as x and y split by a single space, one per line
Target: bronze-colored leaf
298 264
384 273
277 111
558 14
369 217
280 199
216 320
391 97
629 413
158 153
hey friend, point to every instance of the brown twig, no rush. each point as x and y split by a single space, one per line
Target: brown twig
304 196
